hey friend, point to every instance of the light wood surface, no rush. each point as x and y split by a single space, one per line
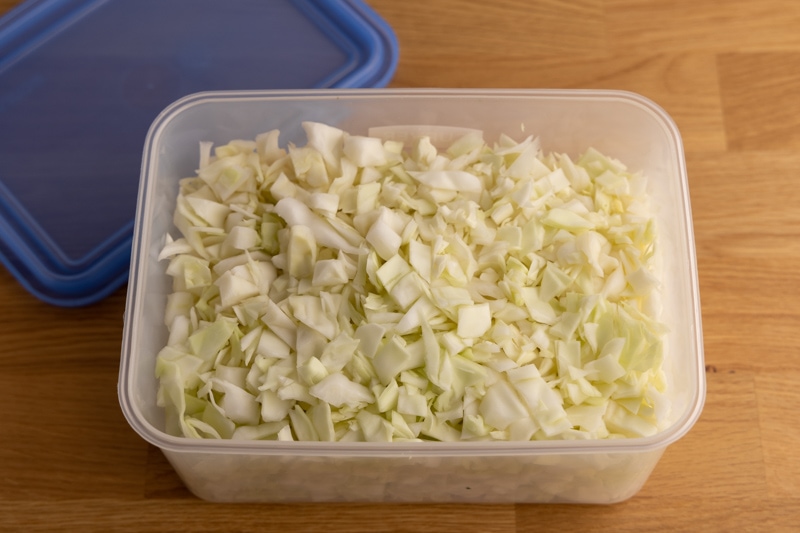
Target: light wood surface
729 74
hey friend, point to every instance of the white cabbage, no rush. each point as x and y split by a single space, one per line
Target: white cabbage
364 288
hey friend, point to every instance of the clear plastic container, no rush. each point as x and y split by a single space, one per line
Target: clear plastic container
623 125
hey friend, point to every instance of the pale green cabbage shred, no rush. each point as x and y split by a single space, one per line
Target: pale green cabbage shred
366 289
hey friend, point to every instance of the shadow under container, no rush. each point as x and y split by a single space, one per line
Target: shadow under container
622 125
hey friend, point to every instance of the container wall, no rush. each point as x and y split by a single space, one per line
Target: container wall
570 478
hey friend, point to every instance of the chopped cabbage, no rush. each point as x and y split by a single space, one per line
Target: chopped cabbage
360 288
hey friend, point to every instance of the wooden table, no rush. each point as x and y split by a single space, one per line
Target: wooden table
729 74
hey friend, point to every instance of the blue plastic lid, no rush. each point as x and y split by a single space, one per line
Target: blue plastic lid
82 80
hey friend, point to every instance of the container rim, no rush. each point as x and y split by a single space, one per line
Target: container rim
658 441
629 97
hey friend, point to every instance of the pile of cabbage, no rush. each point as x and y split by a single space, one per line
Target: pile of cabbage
366 289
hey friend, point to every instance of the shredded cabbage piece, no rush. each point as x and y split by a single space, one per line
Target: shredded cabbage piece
370 288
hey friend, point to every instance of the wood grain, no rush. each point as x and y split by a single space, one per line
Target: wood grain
680 25
727 73
759 92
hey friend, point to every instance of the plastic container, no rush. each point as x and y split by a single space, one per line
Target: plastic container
82 80
622 125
